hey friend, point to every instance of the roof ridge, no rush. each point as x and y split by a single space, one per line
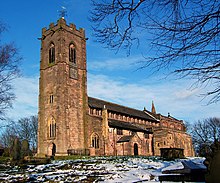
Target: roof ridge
149 113
99 103
116 104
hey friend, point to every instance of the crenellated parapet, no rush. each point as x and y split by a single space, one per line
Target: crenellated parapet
62 25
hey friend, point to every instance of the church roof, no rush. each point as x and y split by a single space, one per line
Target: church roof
127 126
97 103
126 138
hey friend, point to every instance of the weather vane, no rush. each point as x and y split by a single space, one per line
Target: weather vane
63 12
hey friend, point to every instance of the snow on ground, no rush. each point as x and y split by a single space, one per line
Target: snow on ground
96 169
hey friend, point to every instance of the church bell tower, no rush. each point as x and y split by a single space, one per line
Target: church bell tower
63 97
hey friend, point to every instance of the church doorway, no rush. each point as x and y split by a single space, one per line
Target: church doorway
52 149
135 149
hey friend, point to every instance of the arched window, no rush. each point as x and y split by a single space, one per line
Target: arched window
95 141
136 149
72 53
119 131
52 53
52 128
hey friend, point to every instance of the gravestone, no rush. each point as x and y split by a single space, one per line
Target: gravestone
212 163
171 153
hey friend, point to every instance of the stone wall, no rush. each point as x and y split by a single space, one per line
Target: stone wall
65 83
67 124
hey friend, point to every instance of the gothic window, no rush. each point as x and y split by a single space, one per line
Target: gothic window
52 53
72 53
97 112
52 128
111 115
119 132
90 111
146 135
93 111
95 141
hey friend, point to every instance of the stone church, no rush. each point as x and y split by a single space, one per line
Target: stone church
71 122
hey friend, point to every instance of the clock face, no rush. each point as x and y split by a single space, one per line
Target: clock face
73 73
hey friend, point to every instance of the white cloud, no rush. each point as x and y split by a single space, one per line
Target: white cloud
184 94
115 63
26 102
175 97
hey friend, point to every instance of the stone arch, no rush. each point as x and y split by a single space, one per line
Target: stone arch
51 149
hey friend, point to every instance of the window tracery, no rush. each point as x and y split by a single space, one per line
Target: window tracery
52 53
95 141
72 54
52 128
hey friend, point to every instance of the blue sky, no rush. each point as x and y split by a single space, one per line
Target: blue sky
112 77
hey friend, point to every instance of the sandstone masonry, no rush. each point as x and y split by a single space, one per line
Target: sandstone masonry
70 122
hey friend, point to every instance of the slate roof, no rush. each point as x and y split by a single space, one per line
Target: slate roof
97 103
126 138
127 126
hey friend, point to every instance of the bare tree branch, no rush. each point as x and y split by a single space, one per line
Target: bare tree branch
24 129
184 35
9 61
204 133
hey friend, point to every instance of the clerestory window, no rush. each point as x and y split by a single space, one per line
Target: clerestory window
119 131
146 136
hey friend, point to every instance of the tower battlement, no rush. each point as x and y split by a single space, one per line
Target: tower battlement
61 24
63 90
